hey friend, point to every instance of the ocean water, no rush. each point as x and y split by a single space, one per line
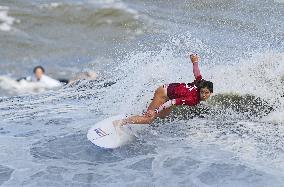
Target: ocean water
234 139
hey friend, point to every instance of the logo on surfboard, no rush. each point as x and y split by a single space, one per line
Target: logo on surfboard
100 132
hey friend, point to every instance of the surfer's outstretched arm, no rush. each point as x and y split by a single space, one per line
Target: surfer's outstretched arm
196 72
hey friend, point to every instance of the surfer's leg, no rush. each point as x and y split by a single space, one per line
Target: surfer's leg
139 120
144 119
160 97
134 120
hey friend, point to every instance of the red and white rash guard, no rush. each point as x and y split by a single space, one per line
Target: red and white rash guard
182 93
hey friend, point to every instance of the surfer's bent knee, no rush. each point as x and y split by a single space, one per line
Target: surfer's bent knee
161 91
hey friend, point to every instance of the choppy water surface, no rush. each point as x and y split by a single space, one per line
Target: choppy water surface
235 139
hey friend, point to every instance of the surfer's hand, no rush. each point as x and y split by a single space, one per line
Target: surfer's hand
150 114
194 58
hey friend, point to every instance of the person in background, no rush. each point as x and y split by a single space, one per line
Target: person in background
41 77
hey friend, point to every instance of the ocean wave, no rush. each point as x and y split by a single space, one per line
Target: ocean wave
5 174
105 14
51 5
248 105
227 106
117 4
66 32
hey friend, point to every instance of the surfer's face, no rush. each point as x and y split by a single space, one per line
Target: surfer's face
204 94
38 73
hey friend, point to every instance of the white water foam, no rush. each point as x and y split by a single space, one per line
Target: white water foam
22 87
6 21
259 75
276 116
51 5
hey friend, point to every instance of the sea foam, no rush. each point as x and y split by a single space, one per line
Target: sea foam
6 21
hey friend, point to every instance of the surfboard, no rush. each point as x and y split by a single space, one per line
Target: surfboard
105 135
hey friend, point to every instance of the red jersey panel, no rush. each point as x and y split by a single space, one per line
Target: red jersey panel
184 94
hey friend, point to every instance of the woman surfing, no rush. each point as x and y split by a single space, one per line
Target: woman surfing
173 94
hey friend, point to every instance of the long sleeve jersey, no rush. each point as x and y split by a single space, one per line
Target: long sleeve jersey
182 93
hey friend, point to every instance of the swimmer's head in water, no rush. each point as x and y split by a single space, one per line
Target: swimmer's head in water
38 71
205 90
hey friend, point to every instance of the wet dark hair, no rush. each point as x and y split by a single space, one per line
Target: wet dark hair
205 84
39 67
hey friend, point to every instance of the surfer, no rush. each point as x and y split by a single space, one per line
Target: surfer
41 77
174 94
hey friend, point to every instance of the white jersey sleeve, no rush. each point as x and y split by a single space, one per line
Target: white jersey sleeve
50 82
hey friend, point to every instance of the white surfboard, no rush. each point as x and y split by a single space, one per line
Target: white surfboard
105 135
